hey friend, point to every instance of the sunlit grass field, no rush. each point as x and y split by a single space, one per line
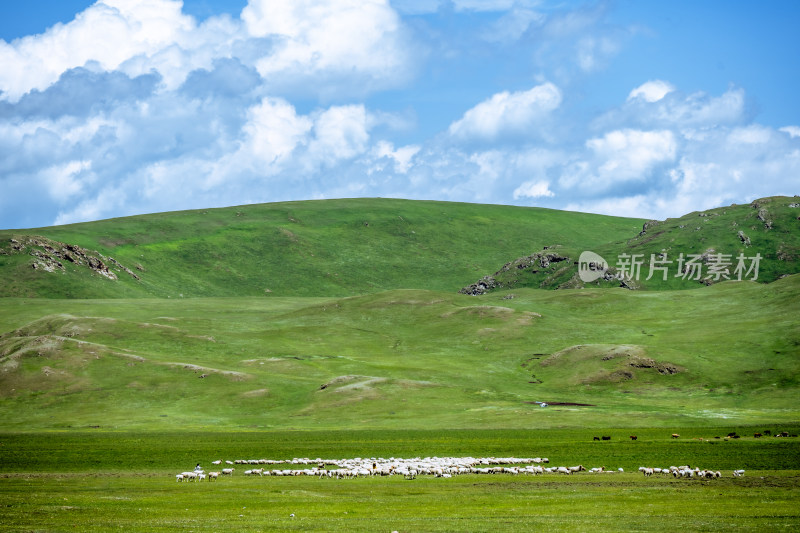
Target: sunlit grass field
107 481
405 359
335 330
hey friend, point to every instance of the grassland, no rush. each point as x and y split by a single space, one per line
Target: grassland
334 329
313 248
768 228
102 481
409 358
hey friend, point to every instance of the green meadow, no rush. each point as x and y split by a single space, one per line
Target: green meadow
409 358
312 248
335 329
102 481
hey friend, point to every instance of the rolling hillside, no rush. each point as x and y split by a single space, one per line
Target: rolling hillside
346 314
313 248
405 358
700 248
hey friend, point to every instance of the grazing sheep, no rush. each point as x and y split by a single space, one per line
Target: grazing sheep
212 476
189 476
605 438
738 473
675 435
227 471
179 477
633 437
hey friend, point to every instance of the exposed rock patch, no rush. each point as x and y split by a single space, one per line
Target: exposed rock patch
763 215
534 263
646 362
744 238
647 225
482 286
787 252
51 256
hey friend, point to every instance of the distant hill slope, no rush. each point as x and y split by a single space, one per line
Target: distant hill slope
318 248
758 241
405 359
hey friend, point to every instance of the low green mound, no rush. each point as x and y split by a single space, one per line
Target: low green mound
598 364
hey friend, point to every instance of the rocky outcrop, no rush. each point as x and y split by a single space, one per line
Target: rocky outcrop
744 238
482 286
51 256
763 215
534 263
647 225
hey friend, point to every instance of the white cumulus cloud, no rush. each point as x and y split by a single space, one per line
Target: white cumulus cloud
340 132
630 154
314 38
507 112
402 156
652 91
108 33
533 189
792 131
274 130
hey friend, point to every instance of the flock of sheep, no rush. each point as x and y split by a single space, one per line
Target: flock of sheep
686 471
440 467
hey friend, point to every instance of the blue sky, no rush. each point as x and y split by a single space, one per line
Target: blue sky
630 108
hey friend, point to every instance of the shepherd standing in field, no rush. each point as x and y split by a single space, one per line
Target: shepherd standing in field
198 468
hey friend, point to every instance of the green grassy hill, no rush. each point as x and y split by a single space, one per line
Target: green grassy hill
346 314
406 358
768 228
311 248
